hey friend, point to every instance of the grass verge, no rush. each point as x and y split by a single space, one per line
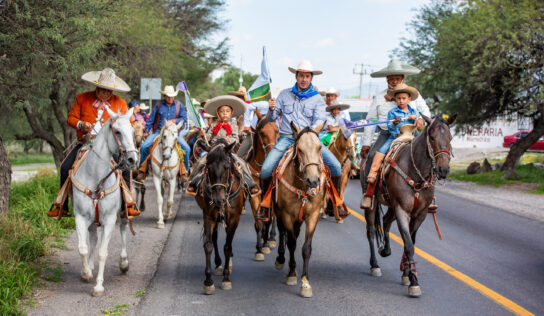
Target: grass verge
26 235
25 159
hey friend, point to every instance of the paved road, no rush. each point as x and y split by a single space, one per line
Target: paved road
497 249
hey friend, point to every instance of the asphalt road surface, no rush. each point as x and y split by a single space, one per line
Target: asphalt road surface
490 263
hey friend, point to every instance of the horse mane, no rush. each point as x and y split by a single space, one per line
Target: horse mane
305 130
215 154
267 119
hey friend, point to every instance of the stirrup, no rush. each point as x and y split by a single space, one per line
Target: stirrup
190 193
262 214
135 212
54 211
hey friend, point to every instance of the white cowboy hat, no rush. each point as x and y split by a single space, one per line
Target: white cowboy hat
169 91
144 107
195 102
336 105
305 66
402 87
395 68
332 90
236 104
106 79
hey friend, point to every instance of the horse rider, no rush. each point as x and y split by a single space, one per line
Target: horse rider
395 73
303 106
168 109
139 113
225 107
333 123
332 95
88 114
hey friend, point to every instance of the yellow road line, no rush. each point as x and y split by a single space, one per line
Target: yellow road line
496 297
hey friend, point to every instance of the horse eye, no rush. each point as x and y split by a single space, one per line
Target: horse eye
432 138
117 132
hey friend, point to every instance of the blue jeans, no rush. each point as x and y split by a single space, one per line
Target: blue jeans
385 147
148 142
275 155
186 148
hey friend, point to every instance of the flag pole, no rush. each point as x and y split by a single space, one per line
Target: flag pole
197 115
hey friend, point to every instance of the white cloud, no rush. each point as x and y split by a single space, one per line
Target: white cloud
285 61
325 42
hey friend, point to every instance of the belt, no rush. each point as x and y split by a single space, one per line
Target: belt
287 135
396 135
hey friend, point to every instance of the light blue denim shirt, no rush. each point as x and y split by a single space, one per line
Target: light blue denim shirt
398 112
305 112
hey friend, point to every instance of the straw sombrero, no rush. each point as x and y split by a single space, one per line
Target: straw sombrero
402 87
106 79
336 105
241 93
395 68
305 66
238 106
407 133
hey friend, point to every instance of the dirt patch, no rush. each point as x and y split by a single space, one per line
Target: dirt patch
521 187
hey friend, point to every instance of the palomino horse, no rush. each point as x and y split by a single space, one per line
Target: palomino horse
220 196
299 197
165 166
343 148
138 188
97 195
424 160
265 138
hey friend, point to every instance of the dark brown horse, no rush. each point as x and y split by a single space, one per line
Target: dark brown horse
305 173
265 138
410 189
220 196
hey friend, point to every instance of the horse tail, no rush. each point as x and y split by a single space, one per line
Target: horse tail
378 225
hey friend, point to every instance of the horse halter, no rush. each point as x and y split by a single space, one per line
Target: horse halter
432 154
264 147
162 143
227 186
122 151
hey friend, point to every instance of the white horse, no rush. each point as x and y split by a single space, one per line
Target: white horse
165 167
97 195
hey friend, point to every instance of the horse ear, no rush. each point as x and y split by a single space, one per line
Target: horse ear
180 124
294 128
112 114
451 119
229 147
320 128
427 119
165 122
129 112
259 115
205 147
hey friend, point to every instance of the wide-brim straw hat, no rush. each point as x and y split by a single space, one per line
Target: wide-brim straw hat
402 87
106 79
305 66
395 68
241 93
407 133
236 104
337 105
169 91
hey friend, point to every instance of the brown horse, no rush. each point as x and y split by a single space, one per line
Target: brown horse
299 197
343 148
265 138
138 188
424 160
220 196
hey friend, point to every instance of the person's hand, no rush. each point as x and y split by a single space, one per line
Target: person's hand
202 132
247 129
397 120
412 117
419 124
173 121
86 127
364 151
272 104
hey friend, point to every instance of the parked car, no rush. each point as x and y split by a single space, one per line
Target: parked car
511 139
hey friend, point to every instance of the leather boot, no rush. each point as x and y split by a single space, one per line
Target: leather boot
193 186
366 204
376 163
337 182
142 172
263 213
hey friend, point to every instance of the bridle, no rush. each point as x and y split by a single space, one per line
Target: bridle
163 147
302 167
209 186
432 154
348 149
263 146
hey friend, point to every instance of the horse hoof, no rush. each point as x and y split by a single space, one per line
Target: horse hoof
123 268
87 278
305 288
218 270
291 280
405 281
160 225
98 293
376 272
414 291
272 244
226 285
339 221
244 211
324 215
259 257
266 250
278 265
208 290
384 252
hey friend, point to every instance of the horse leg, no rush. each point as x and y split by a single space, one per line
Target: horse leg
403 222
158 187
272 231
227 249
93 239
311 222
280 259
82 226
370 216
388 219
142 197
107 230
259 229
292 245
217 258
123 262
209 227
170 203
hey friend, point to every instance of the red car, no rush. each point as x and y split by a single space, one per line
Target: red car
511 139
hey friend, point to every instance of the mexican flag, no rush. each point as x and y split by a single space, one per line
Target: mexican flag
260 89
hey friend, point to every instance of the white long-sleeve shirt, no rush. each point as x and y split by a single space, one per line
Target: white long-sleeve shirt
250 119
379 109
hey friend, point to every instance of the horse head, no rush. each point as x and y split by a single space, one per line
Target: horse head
121 139
168 137
219 170
438 138
308 154
267 131
138 133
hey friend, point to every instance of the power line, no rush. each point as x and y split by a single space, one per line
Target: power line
362 71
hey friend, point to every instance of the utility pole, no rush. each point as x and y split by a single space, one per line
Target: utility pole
241 79
362 71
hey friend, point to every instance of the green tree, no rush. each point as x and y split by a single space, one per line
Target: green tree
229 81
481 60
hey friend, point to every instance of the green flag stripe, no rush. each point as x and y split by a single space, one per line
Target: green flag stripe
260 92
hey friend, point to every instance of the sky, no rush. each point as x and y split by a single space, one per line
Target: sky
334 36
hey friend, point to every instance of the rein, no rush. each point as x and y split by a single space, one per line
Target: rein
160 163
264 147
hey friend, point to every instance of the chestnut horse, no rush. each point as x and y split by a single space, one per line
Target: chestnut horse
304 172
265 138
220 196
424 160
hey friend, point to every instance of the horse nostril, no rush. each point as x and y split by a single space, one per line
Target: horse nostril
130 160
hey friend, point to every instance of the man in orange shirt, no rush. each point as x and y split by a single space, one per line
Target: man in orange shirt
87 115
